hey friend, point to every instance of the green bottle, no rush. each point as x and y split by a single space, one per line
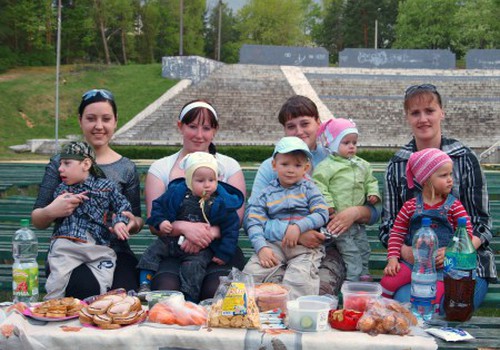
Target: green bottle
460 262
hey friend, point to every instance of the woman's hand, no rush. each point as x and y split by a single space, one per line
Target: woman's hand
311 239
61 207
343 221
197 233
189 247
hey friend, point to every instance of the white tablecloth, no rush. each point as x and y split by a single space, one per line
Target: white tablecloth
33 334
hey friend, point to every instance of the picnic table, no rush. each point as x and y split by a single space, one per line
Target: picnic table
33 334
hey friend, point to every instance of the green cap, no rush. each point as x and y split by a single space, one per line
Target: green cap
25 222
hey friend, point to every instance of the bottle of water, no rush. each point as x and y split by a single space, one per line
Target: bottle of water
25 267
424 276
460 261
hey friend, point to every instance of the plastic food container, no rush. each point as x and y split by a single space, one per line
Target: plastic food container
160 295
333 301
269 296
308 316
357 294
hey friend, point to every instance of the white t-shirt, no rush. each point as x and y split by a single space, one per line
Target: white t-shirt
161 168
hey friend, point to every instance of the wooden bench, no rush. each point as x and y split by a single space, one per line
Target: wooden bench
15 207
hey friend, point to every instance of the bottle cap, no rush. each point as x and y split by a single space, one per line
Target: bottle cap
462 221
25 222
426 222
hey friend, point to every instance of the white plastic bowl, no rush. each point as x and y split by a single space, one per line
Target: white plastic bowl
308 316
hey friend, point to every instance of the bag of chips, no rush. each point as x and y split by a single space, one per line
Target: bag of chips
234 303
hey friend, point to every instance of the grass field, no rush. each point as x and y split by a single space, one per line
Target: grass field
27 99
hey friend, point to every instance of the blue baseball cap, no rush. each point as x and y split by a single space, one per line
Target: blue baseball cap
291 143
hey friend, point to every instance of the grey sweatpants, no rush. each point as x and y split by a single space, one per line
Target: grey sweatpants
355 249
65 255
298 269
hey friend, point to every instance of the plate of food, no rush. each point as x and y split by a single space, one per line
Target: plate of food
55 309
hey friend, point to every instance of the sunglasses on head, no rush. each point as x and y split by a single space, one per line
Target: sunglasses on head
94 92
423 87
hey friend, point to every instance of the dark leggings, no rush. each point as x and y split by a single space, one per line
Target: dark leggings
83 283
167 277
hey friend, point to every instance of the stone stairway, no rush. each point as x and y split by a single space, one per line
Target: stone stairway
248 98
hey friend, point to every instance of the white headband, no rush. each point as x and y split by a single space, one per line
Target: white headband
197 104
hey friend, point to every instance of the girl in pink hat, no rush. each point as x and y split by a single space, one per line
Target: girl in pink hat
432 169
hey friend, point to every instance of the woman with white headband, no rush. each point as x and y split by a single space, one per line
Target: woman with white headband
198 124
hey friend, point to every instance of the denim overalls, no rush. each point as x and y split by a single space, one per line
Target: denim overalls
439 224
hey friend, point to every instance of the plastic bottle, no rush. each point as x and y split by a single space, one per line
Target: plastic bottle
459 275
424 276
25 267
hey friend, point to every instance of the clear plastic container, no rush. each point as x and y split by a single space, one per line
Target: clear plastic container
269 296
308 316
160 295
333 301
356 295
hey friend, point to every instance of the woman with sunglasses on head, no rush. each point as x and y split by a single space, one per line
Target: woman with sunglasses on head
198 123
97 116
424 114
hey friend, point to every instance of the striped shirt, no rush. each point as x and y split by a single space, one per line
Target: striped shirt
469 186
402 223
301 204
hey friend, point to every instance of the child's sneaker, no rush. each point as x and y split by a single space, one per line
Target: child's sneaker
366 278
144 289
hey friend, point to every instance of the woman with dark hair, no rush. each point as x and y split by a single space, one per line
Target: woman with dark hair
198 123
98 117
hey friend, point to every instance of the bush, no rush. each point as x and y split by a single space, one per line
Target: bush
255 154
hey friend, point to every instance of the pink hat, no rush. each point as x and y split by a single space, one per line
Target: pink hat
423 164
333 131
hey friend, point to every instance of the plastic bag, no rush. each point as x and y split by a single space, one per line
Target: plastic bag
386 316
234 303
179 312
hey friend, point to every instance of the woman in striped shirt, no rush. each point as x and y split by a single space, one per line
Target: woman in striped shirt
424 113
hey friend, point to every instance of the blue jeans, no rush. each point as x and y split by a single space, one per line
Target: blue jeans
403 294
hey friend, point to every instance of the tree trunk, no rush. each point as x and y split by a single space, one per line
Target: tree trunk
102 30
124 46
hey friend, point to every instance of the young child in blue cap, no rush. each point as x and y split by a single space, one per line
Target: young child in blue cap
292 197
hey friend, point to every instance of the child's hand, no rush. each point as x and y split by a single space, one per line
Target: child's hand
291 236
440 258
331 213
218 261
373 200
165 228
392 267
121 231
267 257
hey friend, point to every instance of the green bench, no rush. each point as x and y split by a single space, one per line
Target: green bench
15 207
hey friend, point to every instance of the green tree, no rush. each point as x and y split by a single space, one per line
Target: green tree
272 22
27 31
147 29
78 32
230 38
426 24
479 26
